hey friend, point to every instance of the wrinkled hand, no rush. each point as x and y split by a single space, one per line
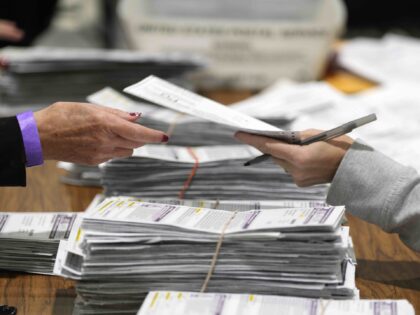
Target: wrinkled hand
311 164
9 31
90 134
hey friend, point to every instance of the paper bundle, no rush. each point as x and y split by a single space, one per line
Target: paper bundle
125 248
208 172
29 241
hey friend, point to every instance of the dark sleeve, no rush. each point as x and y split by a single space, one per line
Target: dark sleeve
12 153
32 16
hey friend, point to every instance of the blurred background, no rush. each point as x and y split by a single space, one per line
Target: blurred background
95 23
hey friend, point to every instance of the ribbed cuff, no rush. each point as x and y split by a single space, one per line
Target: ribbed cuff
31 141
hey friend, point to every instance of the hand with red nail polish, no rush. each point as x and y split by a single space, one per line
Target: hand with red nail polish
91 134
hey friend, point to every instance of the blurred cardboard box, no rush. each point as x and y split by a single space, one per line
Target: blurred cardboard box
249 44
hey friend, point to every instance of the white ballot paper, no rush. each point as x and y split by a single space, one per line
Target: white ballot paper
188 303
171 96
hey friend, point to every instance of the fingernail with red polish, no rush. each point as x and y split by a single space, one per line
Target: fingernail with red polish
135 114
165 138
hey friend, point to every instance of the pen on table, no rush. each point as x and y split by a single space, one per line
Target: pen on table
323 136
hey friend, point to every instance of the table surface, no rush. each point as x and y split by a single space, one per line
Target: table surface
386 267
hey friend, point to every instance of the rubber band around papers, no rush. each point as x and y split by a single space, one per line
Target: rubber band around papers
216 253
187 183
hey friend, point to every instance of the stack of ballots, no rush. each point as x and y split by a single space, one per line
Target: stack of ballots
29 241
123 249
39 76
208 172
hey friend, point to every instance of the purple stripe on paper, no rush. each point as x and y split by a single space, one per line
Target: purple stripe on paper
3 220
251 218
165 211
313 310
220 305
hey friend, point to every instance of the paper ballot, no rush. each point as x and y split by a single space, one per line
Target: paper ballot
183 303
163 93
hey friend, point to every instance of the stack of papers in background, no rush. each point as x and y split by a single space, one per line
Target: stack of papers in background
29 241
393 59
125 248
191 303
39 76
217 172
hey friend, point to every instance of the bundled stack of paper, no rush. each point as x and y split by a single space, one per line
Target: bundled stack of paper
39 76
29 241
209 172
181 303
125 248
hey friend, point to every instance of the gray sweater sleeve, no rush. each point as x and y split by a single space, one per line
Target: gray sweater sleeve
379 190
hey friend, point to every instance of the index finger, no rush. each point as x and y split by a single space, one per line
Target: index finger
270 146
135 132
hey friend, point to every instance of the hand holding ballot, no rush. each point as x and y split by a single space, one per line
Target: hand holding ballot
309 164
91 134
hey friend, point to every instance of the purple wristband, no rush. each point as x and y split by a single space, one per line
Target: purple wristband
31 141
